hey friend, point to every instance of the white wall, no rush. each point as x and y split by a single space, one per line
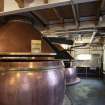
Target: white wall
96 57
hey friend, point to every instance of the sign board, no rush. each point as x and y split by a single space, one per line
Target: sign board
36 46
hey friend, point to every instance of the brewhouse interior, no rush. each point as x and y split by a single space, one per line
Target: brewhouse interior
52 52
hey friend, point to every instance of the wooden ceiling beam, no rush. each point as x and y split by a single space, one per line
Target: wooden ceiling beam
78 14
37 17
37 5
84 1
43 21
58 15
75 14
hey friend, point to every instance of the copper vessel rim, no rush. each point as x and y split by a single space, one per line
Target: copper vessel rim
20 18
29 59
32 69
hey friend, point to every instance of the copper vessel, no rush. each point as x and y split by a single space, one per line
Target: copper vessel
38 82
16 36
32 83
71 76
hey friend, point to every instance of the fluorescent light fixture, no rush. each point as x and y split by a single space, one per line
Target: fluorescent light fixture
84 57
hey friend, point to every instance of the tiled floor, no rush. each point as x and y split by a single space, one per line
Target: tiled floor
88 92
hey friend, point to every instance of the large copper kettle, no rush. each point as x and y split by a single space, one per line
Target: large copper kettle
32 83
28 83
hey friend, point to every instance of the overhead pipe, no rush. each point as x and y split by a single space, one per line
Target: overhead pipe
71 32
41 21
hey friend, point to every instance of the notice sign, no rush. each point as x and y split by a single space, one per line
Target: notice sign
36 46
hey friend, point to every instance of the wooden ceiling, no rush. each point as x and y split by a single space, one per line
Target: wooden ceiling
74 15
87 11
78 14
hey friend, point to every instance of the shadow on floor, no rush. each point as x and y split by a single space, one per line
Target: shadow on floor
88 92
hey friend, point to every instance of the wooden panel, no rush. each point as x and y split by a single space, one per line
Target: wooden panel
88 9
65 11
1 5
43 87
48 14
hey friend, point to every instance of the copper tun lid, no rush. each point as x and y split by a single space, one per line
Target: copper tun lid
16 36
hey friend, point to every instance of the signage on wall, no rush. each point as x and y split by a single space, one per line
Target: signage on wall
36 46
